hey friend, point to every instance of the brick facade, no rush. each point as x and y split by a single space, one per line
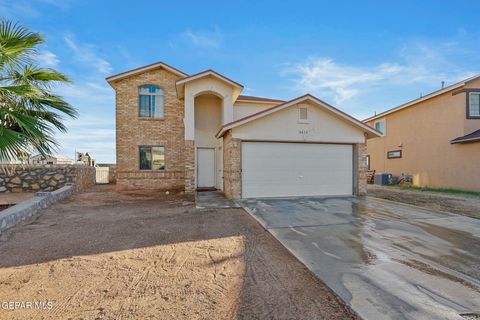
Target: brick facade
232 171
132 132
190 184
361 170
169 132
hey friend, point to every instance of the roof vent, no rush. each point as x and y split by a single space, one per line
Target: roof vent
443 84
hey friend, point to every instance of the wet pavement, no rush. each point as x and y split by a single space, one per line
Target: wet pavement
385 259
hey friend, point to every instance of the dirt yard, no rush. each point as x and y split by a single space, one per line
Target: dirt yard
464 205
103 255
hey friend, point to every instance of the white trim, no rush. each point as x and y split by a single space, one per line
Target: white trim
290 103
259 101
428 96
208 73
146 68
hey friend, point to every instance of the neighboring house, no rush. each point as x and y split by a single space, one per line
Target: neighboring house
20 158
49 159
191 132
434 139
86 159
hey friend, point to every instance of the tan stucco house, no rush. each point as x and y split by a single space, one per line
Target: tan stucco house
435 139
175 130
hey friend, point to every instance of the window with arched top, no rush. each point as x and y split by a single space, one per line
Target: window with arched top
150 102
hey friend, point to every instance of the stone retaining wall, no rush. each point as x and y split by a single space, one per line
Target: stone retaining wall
28 178
13 215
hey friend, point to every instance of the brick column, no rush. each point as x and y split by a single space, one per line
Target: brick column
361 151
189 166
232 172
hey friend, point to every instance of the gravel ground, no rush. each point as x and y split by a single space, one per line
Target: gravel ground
463 205
104 255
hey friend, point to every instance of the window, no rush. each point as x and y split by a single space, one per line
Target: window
473 105
150 102
152 158
380 126
302 114
394 154
367 161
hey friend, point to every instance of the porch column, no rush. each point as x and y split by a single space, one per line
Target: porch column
232 167
189 151
361 168
189 119
189 154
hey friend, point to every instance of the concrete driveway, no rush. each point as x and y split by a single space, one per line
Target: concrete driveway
385 259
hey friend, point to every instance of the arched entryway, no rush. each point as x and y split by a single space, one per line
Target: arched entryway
209 157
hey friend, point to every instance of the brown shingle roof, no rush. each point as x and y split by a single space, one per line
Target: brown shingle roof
471 137
252 98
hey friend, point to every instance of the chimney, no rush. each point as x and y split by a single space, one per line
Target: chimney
443 84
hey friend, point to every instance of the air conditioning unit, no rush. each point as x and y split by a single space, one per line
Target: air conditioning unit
383 179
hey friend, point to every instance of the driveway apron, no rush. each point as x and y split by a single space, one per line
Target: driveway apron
386 260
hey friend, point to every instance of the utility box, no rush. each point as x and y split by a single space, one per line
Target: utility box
383 179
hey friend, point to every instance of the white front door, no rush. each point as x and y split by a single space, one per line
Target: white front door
296 169
205 167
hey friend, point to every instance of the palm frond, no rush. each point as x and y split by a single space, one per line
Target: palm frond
30 113
38 76
17 44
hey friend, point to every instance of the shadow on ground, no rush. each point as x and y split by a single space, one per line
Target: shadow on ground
106 255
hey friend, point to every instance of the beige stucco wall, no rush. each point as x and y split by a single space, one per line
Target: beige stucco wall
208 119
471 125
244 109
283 125
206 85
423 132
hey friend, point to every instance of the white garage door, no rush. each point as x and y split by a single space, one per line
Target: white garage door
271 169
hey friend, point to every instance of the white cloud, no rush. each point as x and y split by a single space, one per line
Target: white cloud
46 58
341 82
416 65
85 54
10 8
61 4
94 129
210 39
30 8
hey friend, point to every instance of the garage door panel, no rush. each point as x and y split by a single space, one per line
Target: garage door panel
296 169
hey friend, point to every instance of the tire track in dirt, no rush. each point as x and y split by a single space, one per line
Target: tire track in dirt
107 255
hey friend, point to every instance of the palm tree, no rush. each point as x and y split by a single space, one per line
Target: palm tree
30 113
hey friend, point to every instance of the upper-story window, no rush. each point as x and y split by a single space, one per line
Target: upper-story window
150 102
380 126
473 107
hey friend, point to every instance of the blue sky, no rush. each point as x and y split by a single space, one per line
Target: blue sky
361 56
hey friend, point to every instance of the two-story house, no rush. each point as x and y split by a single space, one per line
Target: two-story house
435 139
190 132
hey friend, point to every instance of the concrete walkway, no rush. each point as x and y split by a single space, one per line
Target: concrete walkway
213 200
386 260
